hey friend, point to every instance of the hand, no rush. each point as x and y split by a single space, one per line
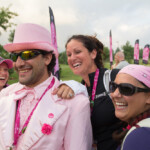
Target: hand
63 91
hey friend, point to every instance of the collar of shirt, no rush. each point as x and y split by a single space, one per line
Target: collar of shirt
36 91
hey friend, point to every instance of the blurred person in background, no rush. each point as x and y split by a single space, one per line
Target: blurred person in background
5 65
120 61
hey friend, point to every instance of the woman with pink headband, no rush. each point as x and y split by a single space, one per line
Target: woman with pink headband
5 64
130 94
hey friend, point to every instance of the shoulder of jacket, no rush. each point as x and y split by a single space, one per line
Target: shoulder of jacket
11 89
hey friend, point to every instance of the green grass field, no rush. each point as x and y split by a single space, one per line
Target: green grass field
66 74
13 78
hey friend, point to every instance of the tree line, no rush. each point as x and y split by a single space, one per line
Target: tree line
6 17
128 50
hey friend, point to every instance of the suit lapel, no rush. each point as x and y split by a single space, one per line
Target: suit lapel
7 119
48 105
46 112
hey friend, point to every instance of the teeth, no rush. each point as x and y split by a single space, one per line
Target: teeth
22 71
120 104
76 65
2 78
121 107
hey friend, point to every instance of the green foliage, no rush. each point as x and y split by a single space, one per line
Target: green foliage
117 50
3 53
63 58
141 53
5 22
5 16
107 64
106 54
11 36
128 52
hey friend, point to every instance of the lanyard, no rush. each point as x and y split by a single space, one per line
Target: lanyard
17 121
94 88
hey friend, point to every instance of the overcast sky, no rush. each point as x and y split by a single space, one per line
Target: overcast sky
128 19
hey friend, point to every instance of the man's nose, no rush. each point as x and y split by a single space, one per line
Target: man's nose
19 62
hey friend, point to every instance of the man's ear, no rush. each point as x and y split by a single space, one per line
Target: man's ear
48 58
148 98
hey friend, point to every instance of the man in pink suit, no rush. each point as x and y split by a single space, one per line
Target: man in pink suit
31 118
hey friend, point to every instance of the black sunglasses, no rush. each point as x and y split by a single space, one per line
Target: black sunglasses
25 55
126 88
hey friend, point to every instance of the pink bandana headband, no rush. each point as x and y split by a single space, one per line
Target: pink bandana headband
140 72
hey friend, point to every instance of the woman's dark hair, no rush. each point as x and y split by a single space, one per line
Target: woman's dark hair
91 43
50 67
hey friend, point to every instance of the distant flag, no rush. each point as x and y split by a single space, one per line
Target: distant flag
136 52
146 54
54 42
110 52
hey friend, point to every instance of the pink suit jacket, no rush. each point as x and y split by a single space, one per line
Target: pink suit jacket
71 122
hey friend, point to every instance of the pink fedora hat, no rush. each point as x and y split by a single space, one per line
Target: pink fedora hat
7 61
31 36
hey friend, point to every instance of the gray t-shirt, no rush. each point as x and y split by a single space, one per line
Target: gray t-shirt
122 64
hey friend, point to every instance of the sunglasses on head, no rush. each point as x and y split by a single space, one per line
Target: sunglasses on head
126 88
25 55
